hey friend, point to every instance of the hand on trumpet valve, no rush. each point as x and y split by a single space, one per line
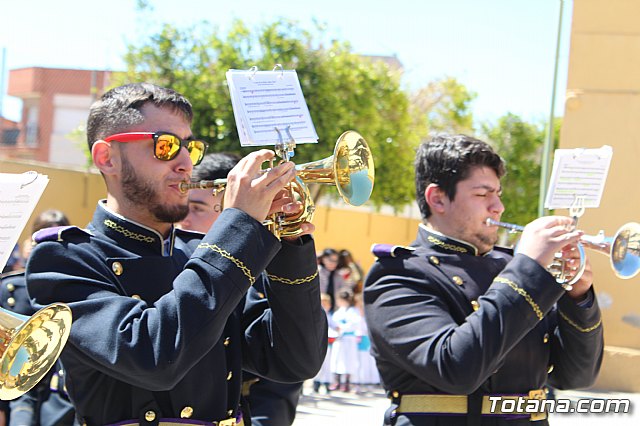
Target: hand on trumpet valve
545 236
575 265
290 208
253 191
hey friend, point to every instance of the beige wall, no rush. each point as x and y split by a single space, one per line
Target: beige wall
603 108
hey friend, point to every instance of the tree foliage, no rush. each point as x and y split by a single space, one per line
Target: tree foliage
520 144
343 91
446 105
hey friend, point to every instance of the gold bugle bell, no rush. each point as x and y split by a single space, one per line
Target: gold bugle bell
30 346
350 169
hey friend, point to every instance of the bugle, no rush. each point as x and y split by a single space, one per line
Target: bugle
350 169
30 346
623 250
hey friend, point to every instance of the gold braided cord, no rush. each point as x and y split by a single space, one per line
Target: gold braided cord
447 246
246 271
576 326
522 292
293 282
127 233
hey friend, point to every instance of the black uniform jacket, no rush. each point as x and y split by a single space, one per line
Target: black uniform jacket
158 336
445 320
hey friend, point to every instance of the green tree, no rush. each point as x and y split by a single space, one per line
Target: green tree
445 104
343 91
520 144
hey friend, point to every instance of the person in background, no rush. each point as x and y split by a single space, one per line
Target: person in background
455 321
47 404
324 376
344 354
367 376
165 320
204 206
269 402
331 281
350 270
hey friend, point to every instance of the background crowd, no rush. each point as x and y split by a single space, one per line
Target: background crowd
348 365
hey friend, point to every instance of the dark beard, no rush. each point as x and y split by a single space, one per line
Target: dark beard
143 194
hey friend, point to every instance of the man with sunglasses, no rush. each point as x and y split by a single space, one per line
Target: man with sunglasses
165 320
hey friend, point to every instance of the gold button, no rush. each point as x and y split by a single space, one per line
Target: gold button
261 295
150 416
117 269
475 305
136 296
545 339
456 279
550 369
11 301
434 260
230 375
186 413
226 341
395 394
11 287
230 413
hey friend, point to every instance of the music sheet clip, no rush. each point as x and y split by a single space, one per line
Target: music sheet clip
265 102
285 149
578 176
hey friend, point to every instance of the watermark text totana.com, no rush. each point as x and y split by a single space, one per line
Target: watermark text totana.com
523 405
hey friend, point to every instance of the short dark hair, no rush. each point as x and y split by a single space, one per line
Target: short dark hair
49 218
216 165
446 160
119 108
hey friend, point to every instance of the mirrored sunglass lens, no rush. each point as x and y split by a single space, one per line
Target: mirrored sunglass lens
196 151
167 147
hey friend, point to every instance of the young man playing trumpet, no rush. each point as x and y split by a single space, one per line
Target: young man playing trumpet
455 321
165 320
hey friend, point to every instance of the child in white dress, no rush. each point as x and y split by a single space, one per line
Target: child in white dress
344 354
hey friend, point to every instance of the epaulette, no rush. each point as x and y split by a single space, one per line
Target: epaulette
57 233
389 250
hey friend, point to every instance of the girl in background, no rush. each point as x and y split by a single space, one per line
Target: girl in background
344 354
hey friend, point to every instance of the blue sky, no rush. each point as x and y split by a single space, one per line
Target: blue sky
504 50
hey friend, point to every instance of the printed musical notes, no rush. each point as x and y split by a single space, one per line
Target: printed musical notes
578 173
269 107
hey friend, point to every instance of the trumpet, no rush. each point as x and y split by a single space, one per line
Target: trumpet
623 251
30 346
350 169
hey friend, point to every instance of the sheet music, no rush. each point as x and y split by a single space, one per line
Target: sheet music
578 173
19 194
264 101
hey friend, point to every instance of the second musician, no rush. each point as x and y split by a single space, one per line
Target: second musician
455 321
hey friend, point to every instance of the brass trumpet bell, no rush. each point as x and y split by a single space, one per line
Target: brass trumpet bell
350 169
30 346
623 249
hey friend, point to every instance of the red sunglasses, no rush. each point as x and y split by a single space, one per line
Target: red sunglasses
166 146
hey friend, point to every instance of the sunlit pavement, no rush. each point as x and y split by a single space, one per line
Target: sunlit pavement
316 409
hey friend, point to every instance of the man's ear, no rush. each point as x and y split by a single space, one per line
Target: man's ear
105 157
435 198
